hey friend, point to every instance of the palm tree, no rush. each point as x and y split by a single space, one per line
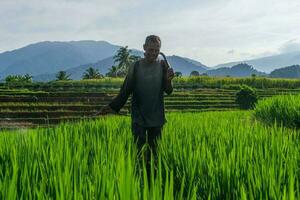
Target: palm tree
178 74
92 73
112 71
62 76
27 78
124 60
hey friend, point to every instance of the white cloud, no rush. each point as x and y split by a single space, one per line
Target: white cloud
290 46
205 30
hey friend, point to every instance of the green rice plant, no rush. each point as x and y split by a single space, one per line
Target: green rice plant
283 110
214 155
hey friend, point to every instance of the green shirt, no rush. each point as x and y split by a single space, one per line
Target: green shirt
145 81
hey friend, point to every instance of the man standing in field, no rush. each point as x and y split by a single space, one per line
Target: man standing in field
146 80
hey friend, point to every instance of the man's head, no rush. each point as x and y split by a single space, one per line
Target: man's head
152 47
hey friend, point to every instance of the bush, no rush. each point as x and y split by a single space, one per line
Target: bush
246 97
284 109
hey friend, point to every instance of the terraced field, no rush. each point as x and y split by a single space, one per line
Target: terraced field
30 107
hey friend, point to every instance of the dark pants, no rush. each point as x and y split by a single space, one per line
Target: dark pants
146 137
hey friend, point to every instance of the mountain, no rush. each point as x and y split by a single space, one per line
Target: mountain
50 57
177 63
269 63
196 63
185 66
286 72
239 70
44 59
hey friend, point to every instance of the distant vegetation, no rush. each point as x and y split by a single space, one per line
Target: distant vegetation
62 76
193 82
18 78
92 73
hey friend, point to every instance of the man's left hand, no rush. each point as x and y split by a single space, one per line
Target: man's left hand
170 74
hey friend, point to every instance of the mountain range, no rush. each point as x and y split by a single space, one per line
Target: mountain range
239 70
269 63
44 59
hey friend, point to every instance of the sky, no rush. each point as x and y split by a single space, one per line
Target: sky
209 31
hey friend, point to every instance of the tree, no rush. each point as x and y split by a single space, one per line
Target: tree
194 73
18 78
62 76
112 71
27 78
253 75
124 60
178 74
92 73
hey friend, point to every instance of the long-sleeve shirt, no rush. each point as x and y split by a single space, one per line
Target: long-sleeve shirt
147 84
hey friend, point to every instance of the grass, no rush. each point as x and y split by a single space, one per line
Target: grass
283 110
214 155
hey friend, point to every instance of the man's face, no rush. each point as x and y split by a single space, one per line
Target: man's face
151 51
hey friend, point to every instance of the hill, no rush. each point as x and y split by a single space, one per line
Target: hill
239 70
286 72
269 63
50 57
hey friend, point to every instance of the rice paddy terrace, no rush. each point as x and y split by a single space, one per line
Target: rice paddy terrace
50 104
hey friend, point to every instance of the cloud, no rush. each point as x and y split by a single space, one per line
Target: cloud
290 46
204 29
231 51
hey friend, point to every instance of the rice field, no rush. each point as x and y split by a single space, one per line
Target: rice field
209 155
283 109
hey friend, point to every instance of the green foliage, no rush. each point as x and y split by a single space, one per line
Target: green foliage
92 73
62 76
220 155
124 59
246 97
178 74
194 73
280 109
18 79
113 72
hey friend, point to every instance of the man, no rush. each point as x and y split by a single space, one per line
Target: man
146 80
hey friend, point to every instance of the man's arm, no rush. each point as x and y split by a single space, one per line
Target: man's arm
167 80
127 87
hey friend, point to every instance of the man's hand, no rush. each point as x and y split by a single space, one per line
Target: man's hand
105 110
170 74
169 71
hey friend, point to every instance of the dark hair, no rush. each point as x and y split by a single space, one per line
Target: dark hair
153 38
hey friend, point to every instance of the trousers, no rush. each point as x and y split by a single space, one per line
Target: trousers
146 135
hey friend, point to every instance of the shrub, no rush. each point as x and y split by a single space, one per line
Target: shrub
284 109
246 97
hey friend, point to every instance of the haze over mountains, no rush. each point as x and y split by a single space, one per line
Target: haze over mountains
44 59
269 63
